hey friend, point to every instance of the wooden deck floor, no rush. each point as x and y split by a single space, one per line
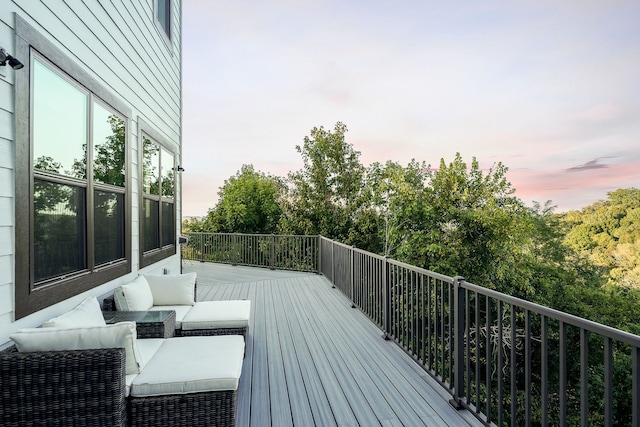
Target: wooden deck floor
312 360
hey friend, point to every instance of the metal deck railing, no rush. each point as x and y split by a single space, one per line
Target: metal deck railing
509 361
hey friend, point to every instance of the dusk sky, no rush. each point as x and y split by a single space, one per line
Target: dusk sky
549 88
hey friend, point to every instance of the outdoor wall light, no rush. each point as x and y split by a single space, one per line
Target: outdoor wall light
13 62
179 168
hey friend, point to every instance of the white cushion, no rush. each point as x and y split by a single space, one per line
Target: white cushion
181 311
119 299
217 314
177 289
147 348
119 335
191 365
86 314
137 294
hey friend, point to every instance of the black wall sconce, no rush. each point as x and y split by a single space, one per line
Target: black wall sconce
178 169
13 62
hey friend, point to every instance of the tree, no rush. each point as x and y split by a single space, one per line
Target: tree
109 156
469 223
248 203
325 196
398 195
193 225
607 233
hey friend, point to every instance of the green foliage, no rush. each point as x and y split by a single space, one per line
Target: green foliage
193 225
109 161
109 157
399 196
248 203
608 234
459 219
324 196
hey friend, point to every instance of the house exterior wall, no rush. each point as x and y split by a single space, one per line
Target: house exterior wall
121 46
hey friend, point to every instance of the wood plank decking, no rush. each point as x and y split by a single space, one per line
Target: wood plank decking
312 360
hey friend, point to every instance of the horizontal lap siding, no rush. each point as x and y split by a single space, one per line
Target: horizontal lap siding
7 165
118 43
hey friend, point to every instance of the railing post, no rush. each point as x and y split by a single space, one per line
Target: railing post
635 386
319 257
353 293
234 249
201 246
272 252
387 298
459 305
333 269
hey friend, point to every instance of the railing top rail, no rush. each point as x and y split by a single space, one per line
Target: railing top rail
424 271
251 234
393 261
570 319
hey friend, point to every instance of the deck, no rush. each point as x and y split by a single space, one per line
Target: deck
312 360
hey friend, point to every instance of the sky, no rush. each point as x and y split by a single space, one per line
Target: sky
549 88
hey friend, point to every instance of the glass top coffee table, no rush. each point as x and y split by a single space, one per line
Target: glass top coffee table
149 324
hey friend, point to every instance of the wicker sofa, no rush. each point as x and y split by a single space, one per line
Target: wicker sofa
102 375
177 293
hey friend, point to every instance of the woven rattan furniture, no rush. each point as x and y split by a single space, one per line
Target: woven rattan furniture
194 410
89 387
63 388
211 332
202 318
149 324
108 305
199 389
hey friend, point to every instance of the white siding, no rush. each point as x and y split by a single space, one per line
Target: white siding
6 175
118 43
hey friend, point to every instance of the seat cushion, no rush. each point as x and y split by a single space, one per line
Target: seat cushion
181 311
217 314
192 365
147 348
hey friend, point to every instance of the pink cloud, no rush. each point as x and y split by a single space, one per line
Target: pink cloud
575 189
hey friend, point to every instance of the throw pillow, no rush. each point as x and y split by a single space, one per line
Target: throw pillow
177 289
86 314
138 294
118 335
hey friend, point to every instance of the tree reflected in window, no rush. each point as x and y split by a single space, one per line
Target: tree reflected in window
108 147
60 121
151 167
109 226
59 229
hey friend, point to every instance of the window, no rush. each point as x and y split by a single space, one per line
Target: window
157 211
163 15
72 195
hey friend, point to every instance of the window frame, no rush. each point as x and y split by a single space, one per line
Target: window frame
166 27
161 252
29 298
